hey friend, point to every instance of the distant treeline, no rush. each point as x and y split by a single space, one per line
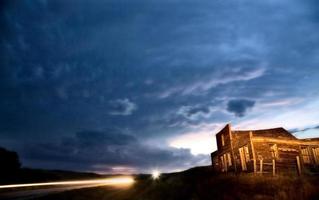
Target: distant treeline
9 164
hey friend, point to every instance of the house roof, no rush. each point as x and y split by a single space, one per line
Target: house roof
273 133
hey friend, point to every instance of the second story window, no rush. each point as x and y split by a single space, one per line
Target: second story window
274 150
223 140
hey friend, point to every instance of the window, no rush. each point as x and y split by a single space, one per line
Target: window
305 155
229 159
274 150
315 152
223 140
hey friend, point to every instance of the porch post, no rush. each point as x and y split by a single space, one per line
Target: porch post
273 167
253 150
231 146
298 165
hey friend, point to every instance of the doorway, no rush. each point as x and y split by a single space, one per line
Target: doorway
244 157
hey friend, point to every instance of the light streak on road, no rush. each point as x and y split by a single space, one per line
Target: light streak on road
115 181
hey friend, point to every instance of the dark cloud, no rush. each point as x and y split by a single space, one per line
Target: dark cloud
304 129
103 151
196 110
239 106
193 111
122 107
152 68
111 137
308 132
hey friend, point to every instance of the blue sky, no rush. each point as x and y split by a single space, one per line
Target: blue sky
129 86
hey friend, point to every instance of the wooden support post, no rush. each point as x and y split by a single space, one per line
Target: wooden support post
232 148
261 166
253 150
226 163
273 167
255 166
298 165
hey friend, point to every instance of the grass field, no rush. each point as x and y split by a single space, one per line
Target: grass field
202 183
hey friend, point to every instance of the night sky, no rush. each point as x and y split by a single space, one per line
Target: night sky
129 86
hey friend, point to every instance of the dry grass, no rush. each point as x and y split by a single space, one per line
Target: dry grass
202 183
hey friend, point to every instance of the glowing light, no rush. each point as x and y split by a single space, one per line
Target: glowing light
115 181
155 174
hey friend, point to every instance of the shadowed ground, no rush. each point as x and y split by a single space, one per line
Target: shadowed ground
202 183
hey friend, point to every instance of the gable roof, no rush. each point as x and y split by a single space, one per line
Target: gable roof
273 133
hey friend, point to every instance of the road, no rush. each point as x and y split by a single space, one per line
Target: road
30 191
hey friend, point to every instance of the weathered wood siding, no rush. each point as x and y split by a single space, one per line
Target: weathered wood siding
241 139
313 157
223 139
224 133
284 156
215 162
268 151
279 133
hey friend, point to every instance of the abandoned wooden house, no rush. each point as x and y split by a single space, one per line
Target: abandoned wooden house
264 151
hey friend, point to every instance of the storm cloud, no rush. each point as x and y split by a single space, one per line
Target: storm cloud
96 79
240 106
122 107
105 152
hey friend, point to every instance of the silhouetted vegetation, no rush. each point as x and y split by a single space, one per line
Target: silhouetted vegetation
201 184
12 173
9 164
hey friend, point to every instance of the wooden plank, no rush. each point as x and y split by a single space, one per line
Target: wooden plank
253 150
273 167
225 161
255 166
232 148
242 159
284 141
261 166
298 165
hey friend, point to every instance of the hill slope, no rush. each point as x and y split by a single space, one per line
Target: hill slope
202 183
